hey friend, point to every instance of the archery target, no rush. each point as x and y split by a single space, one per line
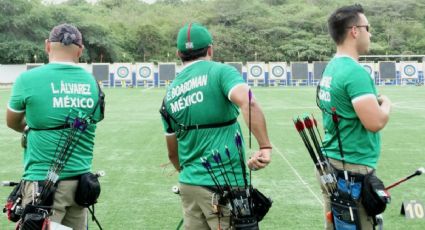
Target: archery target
299 70
256 70
277 70
387 70
167 71
123 71
145 71
369 67
318 69
100 71
409 69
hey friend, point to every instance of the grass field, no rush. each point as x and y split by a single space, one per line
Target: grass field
136 191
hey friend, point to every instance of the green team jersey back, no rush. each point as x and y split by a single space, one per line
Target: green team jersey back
46 95
343 81
200 95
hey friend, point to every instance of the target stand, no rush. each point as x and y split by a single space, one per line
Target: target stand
409 73
299 73
145 74
277 74
123 75
256 73
387 73
166 73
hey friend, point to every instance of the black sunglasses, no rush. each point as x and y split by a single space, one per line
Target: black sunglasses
365 26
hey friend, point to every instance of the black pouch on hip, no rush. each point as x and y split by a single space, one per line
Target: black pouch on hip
261 204
35 217
88 190
345 212
374 196
13 207
245 223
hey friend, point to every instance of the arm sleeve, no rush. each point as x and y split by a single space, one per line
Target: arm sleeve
17 98
229 78
359 84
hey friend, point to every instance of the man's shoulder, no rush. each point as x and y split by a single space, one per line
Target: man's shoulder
35 70
32 73
346 67
225 66
51 67
217 65
349 64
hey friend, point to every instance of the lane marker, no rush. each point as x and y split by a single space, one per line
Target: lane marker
297 174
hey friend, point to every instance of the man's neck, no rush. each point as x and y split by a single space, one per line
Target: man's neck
345 50
185 63
63 60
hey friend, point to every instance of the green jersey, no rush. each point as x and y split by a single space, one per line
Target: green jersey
46 95
344 81
200 96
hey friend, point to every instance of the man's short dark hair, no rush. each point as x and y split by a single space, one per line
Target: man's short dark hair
342 19
66 34
191 55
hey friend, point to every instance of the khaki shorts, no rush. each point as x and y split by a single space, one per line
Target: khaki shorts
365 221
198 209
65 210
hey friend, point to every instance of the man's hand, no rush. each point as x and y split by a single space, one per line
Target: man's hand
260 159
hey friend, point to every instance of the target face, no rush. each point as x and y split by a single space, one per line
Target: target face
145 72
409 70
123 72
256 71
278 71
368 69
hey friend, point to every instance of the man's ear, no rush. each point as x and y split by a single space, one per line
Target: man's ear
47 46
210 51
353 32
178 54
80 51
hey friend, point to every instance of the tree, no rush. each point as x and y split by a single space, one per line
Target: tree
274 30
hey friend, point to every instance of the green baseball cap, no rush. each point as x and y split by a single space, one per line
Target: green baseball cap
193 36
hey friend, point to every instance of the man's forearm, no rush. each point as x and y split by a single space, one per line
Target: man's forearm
16 121
172 147
258 123
19 127
174 159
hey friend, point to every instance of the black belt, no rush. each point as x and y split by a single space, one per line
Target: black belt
208 126
65 126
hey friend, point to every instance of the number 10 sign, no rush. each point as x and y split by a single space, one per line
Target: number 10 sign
413 209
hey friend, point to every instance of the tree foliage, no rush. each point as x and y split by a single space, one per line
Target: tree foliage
249 30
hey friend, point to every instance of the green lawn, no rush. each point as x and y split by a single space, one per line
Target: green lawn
136 191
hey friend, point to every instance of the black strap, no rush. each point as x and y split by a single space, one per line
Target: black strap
94 217
335 119
182 127
319 104
65 126
167 117
209 126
